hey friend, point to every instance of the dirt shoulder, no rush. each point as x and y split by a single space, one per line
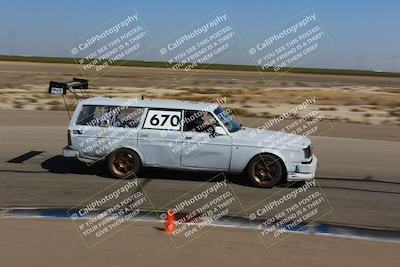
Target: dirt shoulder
356 99
27 242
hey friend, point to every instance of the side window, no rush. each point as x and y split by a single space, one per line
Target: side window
199 121
128 117
92 115
161 119
122 116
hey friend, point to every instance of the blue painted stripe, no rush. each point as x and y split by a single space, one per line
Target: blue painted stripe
322 228
319 228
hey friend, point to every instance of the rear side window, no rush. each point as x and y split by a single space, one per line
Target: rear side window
128 117
110 116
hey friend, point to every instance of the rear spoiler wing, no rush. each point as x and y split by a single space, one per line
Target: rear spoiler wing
60 88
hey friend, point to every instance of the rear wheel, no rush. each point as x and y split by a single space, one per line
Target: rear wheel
265 170
123 163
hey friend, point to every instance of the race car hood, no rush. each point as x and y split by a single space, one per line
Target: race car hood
272 139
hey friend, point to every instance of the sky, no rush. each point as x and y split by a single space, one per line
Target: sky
364 34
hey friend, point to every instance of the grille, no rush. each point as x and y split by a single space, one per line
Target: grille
307 152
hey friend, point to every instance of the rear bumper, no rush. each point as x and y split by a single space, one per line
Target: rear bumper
304 172
70 153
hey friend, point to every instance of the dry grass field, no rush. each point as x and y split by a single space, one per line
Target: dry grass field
360 99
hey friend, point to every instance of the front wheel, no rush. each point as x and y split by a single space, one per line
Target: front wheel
265 170
123 163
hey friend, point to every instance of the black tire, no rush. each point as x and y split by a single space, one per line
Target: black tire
123 163
265 170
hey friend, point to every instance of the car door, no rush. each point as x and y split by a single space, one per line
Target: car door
201 147
160 137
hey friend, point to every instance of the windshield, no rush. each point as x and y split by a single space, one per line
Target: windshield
227 120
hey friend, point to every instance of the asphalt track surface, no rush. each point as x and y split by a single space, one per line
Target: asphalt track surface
360 177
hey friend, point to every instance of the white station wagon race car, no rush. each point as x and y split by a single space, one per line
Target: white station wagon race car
129 134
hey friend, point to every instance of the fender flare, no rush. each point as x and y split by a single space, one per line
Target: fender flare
134 149
275 153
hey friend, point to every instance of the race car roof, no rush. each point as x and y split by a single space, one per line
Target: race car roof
150 103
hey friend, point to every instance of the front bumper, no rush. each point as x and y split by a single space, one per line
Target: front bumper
70 153
304 171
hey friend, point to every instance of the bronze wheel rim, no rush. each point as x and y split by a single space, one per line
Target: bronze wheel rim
123 164
265 170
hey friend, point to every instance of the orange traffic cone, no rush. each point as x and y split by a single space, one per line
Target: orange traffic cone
170 225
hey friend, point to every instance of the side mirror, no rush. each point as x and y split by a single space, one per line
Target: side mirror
219 130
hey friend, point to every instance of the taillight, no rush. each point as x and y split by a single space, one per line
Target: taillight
69 138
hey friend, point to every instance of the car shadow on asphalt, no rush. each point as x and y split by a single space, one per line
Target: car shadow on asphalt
62 165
